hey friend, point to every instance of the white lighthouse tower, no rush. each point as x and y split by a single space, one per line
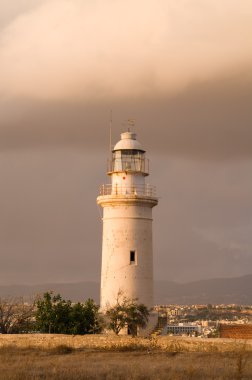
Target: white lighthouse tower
127 255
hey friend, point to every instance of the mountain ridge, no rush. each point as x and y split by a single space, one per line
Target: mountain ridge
236 290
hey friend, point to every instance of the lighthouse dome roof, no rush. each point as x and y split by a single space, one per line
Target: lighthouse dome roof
128 142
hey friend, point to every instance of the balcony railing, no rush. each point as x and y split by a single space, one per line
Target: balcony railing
137 190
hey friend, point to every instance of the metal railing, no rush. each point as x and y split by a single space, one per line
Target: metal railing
137 190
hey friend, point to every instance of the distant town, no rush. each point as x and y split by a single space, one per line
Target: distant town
205 321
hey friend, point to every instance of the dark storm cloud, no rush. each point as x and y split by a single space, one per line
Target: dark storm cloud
183 71
208 120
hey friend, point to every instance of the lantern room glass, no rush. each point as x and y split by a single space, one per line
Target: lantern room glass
128 160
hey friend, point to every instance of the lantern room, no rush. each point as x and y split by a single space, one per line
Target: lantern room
128 156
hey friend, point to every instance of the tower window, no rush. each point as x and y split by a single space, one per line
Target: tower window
132 257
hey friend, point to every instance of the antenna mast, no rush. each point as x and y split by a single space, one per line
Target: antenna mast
131 123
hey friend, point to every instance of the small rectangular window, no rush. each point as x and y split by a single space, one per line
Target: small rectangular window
132 257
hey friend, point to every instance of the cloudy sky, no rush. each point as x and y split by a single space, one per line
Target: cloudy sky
182 70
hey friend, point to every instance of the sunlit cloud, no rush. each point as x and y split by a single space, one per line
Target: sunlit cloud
99 49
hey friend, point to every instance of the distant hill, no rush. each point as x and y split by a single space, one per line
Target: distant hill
79 291
221 290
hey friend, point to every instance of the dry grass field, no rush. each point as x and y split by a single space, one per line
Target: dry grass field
35 357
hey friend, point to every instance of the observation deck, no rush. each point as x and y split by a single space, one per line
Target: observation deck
136 190
144 195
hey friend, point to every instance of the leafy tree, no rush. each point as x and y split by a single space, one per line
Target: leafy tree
45 313
127 313
137 316
117 318
84 318
55 315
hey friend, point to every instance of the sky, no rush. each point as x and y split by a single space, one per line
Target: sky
182 70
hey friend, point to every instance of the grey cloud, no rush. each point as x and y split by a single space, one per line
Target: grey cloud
170 69
50 227
211 120
192 105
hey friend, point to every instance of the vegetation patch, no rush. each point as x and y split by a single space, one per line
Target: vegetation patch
61 349
51 364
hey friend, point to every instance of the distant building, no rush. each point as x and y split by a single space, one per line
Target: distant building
176 312
183 329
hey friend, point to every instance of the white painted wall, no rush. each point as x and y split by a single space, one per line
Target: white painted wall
127 227
125 182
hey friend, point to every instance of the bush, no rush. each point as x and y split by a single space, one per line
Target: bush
55 315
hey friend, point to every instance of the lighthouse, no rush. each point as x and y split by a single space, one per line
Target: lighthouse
127 202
